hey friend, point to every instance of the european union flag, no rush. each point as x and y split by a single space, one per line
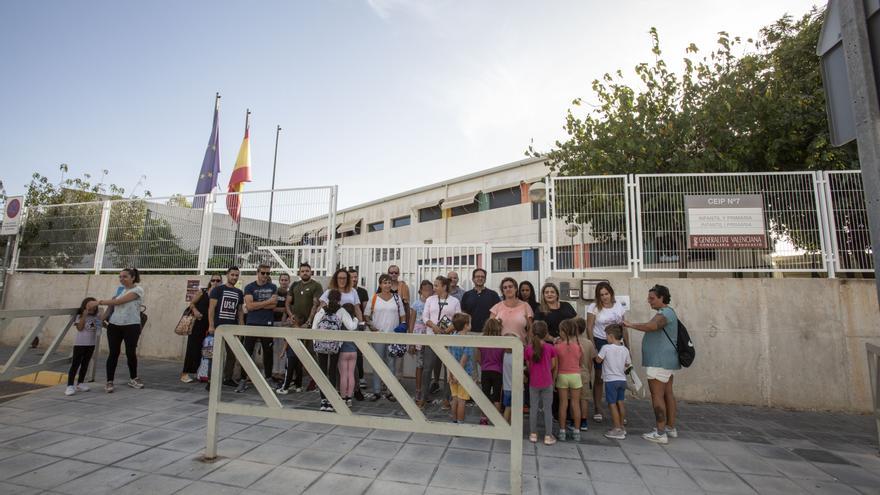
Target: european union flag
211 163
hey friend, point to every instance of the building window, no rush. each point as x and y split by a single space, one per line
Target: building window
507 262
400 222
539 210
375 226
430 213
505 197
464 210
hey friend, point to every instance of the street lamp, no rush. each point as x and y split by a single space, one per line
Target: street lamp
538 195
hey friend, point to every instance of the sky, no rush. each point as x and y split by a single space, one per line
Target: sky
376 96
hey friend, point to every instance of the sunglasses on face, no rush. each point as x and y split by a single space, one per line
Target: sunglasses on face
264 273
393 273
215 281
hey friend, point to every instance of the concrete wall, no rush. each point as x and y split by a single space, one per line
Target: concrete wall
797 343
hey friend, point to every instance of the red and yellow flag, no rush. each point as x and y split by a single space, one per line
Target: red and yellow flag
240 174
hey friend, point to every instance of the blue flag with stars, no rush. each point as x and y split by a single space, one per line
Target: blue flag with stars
211 163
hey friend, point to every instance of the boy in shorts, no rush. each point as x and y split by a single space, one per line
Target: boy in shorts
461 322
615 359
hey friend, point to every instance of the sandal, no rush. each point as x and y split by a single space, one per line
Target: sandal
549 440
533 437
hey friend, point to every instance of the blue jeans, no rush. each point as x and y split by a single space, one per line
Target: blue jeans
390 361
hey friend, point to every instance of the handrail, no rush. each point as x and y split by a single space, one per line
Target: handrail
874 372
499 429
11 369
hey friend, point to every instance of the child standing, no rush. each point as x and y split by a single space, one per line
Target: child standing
589 350
87 323
289 384
541 359
568 379
615 359
491 361
347 361
417 323
461 322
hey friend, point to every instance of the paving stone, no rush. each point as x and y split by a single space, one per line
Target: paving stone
301 439
120 431
499 483
407 472
336 443
652 457
749 464
771 485
799 470
483 444
238 473
285 481
377 448
717 448
235 447
611 471
719 481
817 455
14 466
602 453
10 489
205 488
359 465
549 467
258 433
818 487
187 424
666 477
696 460
270 453
4 453
383 487
189 442
151 460
420 453
111 452
438 490
565 450
72 447
388 435
192 468
351 431
37 440
156 419
153 437
310 458
122 415
609 488
501 462
851 475
105 480
458 477
314 427
52 475
467 458
429 439
153 484
339 484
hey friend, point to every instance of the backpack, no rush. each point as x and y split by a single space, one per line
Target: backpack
330 321
685 347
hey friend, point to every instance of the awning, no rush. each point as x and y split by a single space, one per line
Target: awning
502 186
428 204
349 226
460 200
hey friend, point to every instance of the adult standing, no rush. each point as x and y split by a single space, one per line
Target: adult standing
341 281
124 326
303 296
398 286
280 316
437 315
226 309
515 314
260 299
552 310
364 297
454 290
478 301
604 311
526 292
660 359
199 307
385 313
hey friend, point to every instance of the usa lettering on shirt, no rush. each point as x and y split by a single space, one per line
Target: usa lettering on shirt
229 305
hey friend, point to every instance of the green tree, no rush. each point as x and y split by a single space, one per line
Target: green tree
752 105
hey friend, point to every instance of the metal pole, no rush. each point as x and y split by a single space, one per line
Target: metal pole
272 193
866 110
3 269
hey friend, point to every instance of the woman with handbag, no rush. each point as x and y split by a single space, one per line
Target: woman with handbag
194 324
385 313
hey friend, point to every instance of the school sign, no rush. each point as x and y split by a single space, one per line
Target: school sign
725 222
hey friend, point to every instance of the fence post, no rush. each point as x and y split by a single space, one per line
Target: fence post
631 238
825 231
550 198
205 235
331 231
103 229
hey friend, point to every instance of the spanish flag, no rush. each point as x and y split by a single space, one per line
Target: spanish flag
240 174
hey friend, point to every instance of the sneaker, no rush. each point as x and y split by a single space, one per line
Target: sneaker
297 390
82 387
229 382
371 397
671 432
362 383
136 383
186 379
561 436
348 401
655 437
108 388
533 437
576 436
598 417
330 407
445 405
242 386
549 440
584 426
70 390
435 387
390 398
324 405
616 434
281 391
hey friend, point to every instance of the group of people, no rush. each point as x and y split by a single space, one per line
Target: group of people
563 352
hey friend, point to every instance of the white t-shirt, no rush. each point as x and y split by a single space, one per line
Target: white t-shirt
607 316
386 314
615 360
128 313
347 297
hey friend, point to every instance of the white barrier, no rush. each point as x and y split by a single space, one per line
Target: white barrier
417 422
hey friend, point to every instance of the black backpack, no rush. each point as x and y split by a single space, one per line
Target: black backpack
685 347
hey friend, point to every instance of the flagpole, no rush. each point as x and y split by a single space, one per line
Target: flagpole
247 119
272 193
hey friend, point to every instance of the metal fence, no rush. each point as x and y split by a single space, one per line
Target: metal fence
813 222
174 234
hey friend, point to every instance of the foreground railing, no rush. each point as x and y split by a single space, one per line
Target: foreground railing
416 423
11 369
874 371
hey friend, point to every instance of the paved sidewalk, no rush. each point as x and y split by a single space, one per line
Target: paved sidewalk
149 441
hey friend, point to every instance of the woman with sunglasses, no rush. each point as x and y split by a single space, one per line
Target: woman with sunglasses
199 307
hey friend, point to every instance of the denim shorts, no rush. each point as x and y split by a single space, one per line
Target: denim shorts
599 344
505 398
615 391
